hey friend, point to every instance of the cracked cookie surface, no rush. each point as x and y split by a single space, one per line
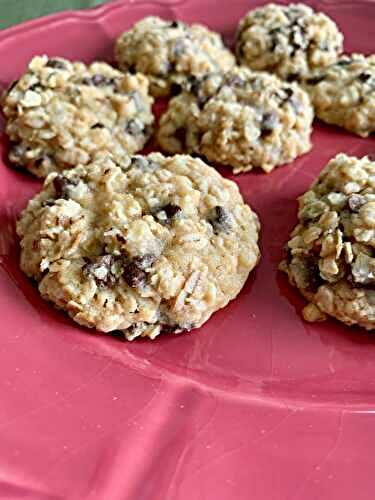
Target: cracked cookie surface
167 52
331 253
290 41
244 119
344 93
61 113
152 244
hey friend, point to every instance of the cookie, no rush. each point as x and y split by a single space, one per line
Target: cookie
61 113
243 119
331 252
290 41
167 52
344 94
151 244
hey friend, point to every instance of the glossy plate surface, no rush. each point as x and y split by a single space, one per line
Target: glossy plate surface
256 405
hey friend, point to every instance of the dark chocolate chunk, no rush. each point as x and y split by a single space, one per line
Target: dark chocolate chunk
56 64
269 122
101 270
221 220
174 24
134 276
132 69
120 238
355 202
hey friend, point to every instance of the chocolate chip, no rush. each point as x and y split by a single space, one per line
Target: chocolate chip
174 24
315 80
36 87
120 238
171 210
145 261
97 125
167 213
134 127
38 162
134 276
269 122
312 274
48 203
101 270
175 89
62 185
56 64
293 77
221 220
132 69
355 202
364 77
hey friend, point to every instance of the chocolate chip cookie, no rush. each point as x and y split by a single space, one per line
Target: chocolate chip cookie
290 41
344 93
61 113
243 119
167 52
150 244
331 253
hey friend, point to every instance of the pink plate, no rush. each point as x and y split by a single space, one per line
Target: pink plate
256 405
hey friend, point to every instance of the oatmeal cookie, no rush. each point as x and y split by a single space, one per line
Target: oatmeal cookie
152 244
344 93
331 253
169 51
291 41
243 119
61 113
